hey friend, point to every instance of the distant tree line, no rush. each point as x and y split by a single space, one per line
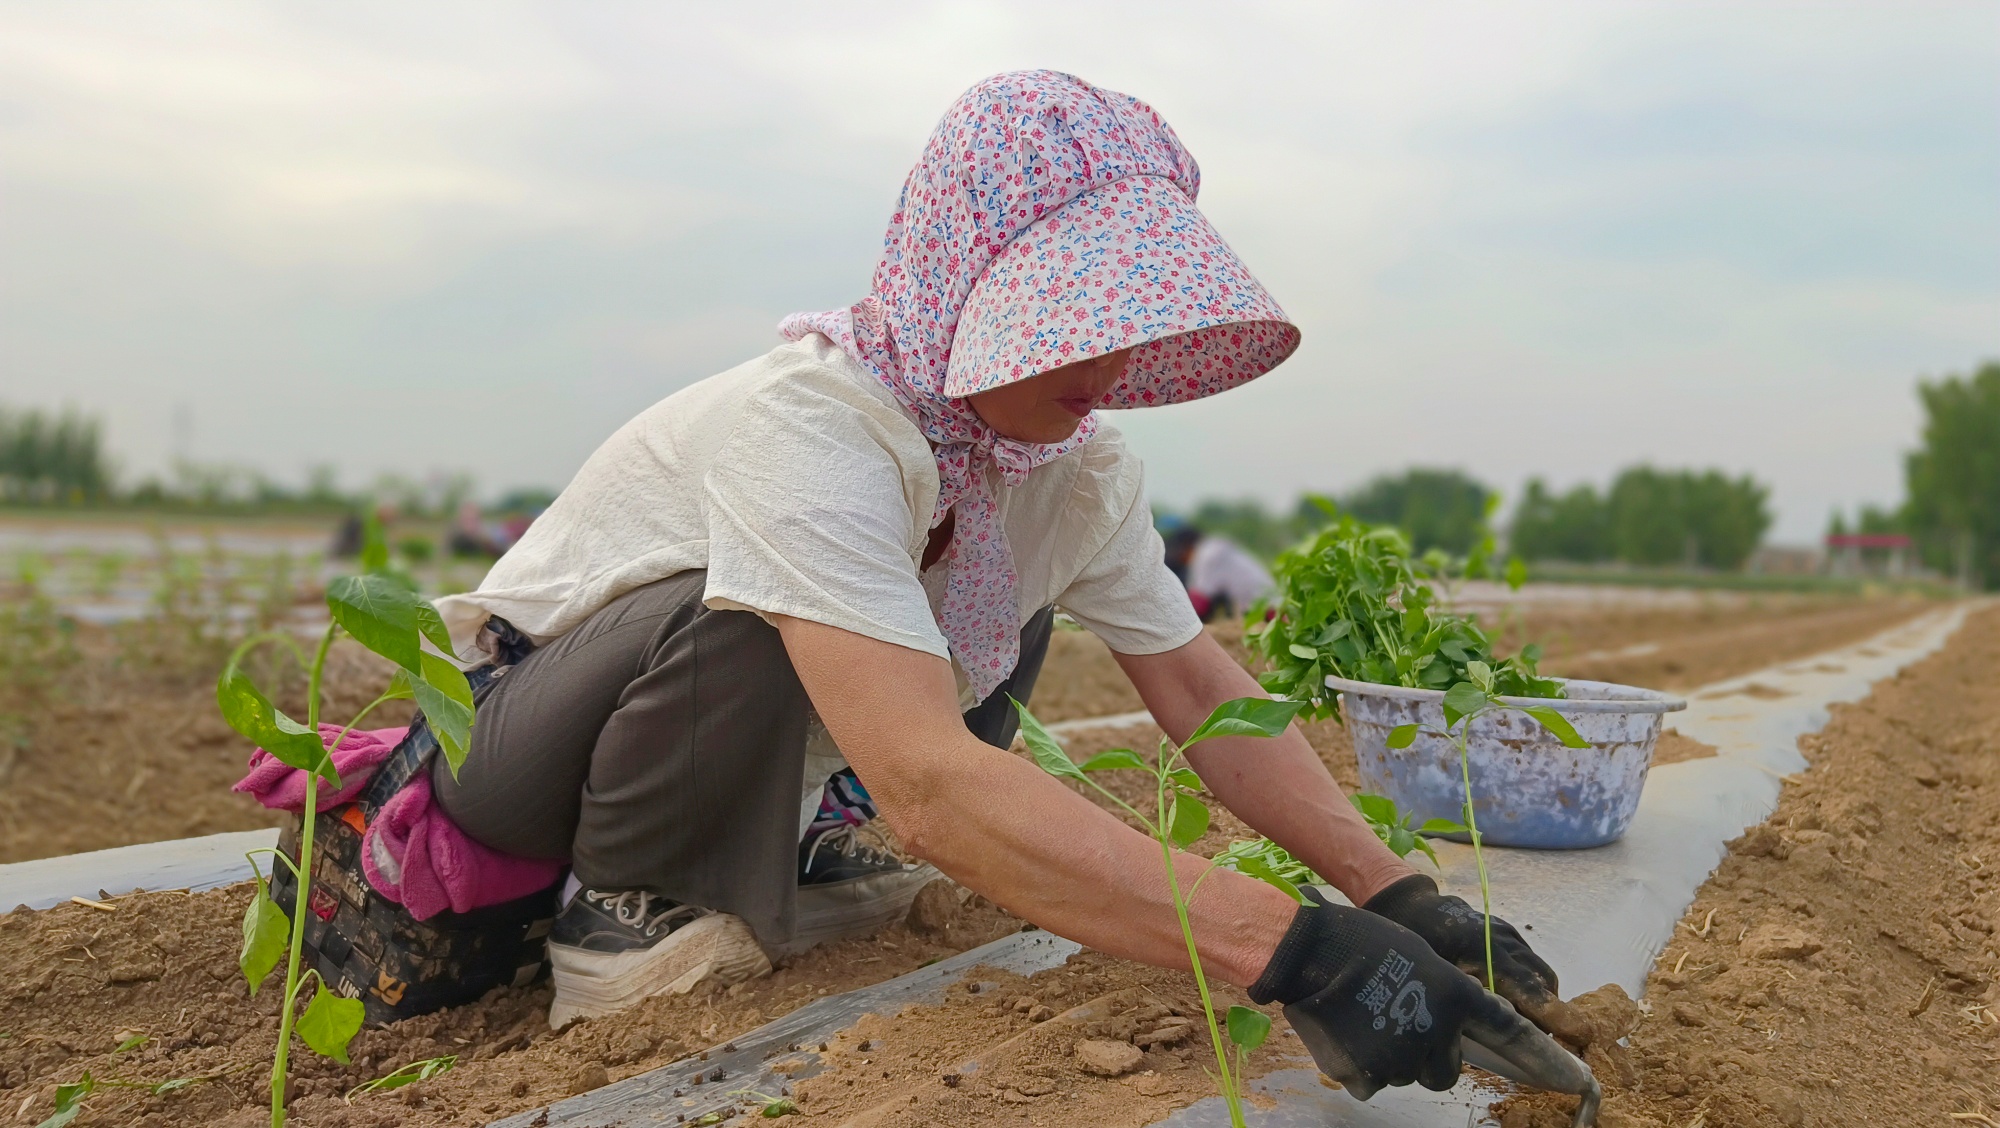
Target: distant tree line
51 458
1647 517
1436 508
59 458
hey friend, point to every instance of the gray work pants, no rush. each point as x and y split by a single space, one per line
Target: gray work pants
660 745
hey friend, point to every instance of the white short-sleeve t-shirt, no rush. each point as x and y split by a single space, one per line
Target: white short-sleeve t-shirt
806 490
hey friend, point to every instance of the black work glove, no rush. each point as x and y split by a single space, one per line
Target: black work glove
1375 1005
1455 930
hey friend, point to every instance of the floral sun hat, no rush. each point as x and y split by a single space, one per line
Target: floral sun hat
1047 221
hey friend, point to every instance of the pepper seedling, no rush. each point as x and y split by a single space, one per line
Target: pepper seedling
1394 829
403 1075
1353 602
1179 818
381 610
1464 703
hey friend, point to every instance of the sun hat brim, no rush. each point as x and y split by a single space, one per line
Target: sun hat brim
1130 264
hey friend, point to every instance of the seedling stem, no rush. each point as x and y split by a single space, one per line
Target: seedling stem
1179 818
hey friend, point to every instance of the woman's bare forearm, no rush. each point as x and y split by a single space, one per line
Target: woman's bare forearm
1278 786
999 825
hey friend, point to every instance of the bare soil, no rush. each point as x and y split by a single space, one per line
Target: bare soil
127 746
1882 857
1841 967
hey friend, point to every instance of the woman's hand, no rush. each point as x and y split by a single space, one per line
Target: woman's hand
1278 786
999 825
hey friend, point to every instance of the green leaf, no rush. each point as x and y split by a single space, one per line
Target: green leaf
173 1086
399 686
1556 723
1481 674
1375 808
1261 868
1402 736
69 1101
431 626
1441 826
131 1042
1424 844
249 712
1462 700
1306 652
1246 716
1114 759
381 614
330 1022
1186 777
1248 1028
446 700
267 931
1187 820
1401 841
1043 747
405 1075
1517 573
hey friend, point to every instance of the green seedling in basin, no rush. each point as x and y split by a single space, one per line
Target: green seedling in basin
381 610
1353 602
1464 703
1179 817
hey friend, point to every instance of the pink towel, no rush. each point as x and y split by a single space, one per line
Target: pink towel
412 852
416 856
282 787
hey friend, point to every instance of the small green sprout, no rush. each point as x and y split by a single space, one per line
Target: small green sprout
1179 818
69 1101
768 1106
404 1075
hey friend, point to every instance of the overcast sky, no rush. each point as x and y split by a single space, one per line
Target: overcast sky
1521 238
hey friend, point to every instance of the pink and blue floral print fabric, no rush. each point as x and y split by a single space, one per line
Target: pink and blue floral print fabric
1048 221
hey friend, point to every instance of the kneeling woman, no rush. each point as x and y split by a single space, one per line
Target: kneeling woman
800 592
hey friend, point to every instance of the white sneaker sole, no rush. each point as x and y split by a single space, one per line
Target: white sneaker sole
858 907
718 948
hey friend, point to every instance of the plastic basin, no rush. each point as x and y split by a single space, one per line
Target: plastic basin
1528 788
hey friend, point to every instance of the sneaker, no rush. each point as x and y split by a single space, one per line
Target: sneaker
848 888
610 949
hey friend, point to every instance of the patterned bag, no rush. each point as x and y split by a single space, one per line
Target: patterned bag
368 947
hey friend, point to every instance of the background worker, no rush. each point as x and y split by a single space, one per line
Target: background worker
848 551
1221 576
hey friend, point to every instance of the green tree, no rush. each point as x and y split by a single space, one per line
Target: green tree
1667 517
1954 478
1434 508
1574 526
51 457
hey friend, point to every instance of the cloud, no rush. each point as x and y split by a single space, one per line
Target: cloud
1524 239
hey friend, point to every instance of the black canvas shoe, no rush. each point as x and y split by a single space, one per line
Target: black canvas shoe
610 949
848 888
